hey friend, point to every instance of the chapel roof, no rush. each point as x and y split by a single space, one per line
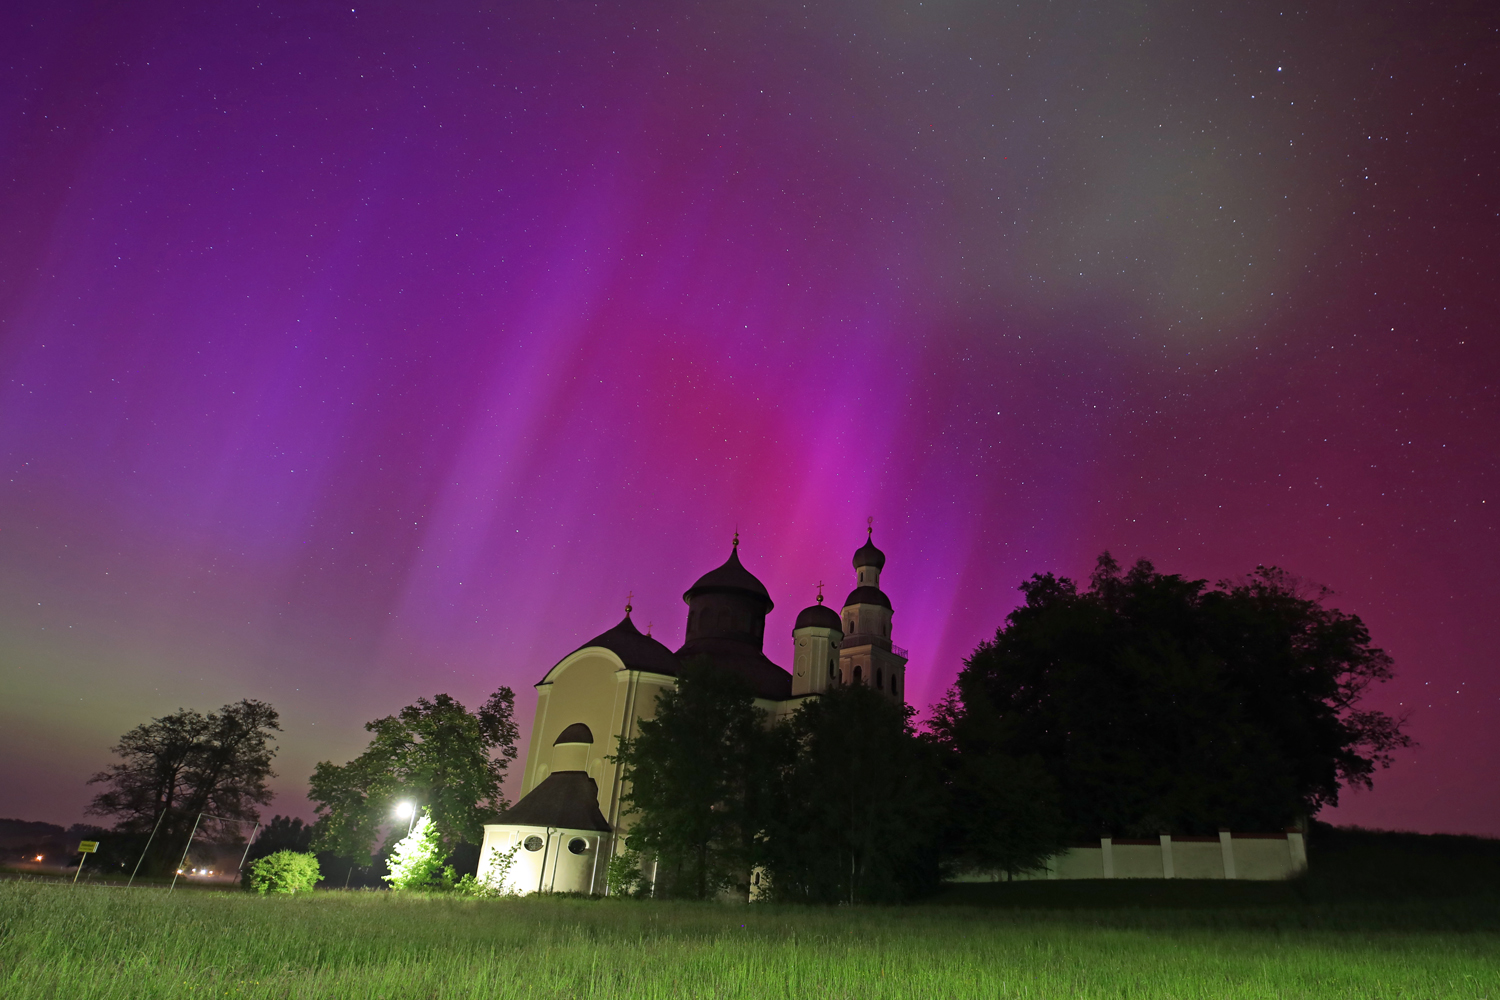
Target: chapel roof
868 555
636 651
819 616
764 678
566 799
732 576
867 595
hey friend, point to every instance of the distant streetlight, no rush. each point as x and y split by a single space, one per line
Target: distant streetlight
408 812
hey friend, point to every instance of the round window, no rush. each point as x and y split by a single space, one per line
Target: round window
577 845
532 843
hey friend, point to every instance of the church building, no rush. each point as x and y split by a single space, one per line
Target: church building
569 821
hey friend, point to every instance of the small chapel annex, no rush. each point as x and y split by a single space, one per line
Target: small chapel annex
568 821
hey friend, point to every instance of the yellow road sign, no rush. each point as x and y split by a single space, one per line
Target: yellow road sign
88 846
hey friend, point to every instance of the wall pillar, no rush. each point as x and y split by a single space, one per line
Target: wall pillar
1297 845
1226 847
1168 870
1107 845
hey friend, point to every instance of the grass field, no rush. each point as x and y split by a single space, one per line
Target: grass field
97 942
1380 915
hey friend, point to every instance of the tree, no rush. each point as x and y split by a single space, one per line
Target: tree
284 872
1158 704
185 764
1003 815
417 861
698 782
435 752
856 818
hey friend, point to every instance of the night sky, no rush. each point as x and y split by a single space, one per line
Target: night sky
354 355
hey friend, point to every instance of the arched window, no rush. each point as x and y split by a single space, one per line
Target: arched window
895 685
858 675
879 679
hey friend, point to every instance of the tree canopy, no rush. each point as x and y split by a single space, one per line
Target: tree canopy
180 765
436 754
1155 703
836 803
696 780
857 812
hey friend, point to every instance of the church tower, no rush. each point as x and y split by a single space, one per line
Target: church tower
815 648
866 655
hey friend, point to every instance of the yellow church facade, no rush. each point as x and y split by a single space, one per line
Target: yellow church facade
570 818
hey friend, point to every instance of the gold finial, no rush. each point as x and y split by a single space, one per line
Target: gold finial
648 628
736 537
628 599
870 525
820 591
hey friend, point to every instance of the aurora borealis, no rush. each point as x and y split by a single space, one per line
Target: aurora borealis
353 355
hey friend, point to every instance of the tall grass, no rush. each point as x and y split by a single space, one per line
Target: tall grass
97 942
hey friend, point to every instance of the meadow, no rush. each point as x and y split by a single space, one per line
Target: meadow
97 941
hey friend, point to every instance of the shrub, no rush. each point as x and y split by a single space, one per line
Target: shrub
285 872
495 875
624 875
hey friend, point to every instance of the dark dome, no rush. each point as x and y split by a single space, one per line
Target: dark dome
764 678
819 616
731 576
867 595
576 733
868 555
636 651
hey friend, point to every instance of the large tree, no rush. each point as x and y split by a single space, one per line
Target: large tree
857 813
180 766
697 779
1156 703
436 754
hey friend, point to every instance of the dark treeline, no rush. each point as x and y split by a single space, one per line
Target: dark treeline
1146 703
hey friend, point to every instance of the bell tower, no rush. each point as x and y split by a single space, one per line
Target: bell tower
866 654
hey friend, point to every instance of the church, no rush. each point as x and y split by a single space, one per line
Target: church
568 820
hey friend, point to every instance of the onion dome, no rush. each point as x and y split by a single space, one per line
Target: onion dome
636 651
867 595
576 733
731 577
868 555
819 616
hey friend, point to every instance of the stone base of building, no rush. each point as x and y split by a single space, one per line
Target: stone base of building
547 859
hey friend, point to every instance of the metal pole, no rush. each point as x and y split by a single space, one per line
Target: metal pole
546 846
82 857
184 853
159 816
241 869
